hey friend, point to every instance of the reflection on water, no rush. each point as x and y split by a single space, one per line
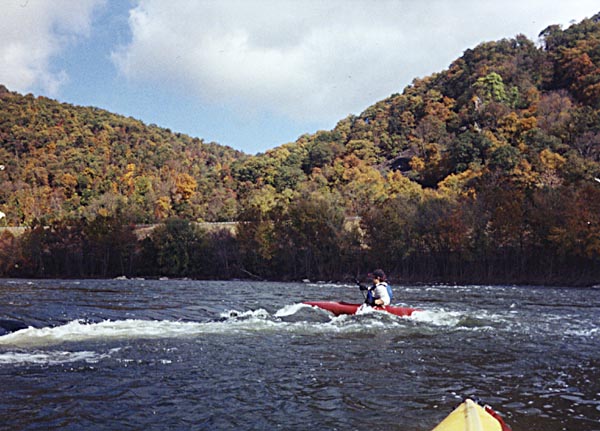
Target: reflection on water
132 354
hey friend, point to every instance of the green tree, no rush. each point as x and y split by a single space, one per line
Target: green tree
491 87
179 247
110 246
504 158
315 231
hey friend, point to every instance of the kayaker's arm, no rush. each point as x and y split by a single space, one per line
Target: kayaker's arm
373 296
363 289
360 285
379 302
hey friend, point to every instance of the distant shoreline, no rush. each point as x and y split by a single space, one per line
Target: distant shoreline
394 282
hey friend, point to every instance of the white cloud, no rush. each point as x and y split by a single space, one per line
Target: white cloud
32 32
316 59
301 59
309 60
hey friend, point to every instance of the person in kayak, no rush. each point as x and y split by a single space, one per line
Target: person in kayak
379 293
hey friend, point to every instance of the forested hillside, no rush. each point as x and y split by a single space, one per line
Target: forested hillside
483 172
63 162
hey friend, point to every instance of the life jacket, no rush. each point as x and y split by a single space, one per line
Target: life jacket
371 299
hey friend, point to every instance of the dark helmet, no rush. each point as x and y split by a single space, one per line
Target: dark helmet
379 274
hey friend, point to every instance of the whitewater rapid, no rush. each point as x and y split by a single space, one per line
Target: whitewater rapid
296 318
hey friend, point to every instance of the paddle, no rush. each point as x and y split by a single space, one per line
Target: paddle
362 288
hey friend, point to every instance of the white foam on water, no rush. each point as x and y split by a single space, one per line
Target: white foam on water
259 314
367 318
328 285
437 317
481 321
52 358
254 321
588 332
231 322
365 309
107 330
78 331
290 310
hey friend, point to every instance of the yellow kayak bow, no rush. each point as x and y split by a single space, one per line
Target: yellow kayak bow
470 416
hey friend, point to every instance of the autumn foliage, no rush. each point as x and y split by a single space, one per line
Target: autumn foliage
483 172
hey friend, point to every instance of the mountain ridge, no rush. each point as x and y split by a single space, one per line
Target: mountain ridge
488 102
483 172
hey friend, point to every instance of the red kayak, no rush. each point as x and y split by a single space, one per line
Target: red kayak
338 308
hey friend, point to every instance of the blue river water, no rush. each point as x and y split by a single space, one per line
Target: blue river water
209 355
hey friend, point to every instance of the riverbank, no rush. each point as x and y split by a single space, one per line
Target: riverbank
105 249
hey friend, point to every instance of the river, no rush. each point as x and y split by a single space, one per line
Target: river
209 355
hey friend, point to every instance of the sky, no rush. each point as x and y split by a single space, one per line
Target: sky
250 74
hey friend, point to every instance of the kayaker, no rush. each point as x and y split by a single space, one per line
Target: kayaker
379 293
